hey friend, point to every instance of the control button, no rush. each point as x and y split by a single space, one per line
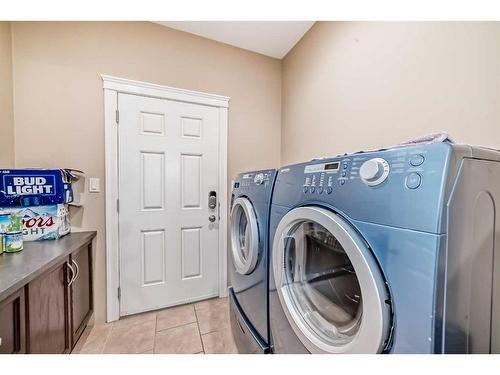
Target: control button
259 178
344 173
413 180
417 160
320 190
374 171
341 182
313 189
346 164
329 190
305 188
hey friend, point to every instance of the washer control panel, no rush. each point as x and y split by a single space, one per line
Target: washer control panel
253 178
259 179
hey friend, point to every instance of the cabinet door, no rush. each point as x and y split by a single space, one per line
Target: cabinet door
81 291
48 312
12 323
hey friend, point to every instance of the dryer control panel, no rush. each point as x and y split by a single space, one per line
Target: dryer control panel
400 186
325 177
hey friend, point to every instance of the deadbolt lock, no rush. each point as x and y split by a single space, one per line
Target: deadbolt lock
212 200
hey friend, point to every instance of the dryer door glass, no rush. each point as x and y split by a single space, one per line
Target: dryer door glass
330 286
244 236
322 282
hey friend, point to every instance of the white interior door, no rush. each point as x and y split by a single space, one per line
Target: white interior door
168 165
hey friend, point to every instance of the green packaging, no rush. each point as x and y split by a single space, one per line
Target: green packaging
16 223
4 221
13 242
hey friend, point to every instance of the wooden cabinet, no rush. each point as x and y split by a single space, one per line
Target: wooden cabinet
12 324
81 292
54 299
61 304
48 312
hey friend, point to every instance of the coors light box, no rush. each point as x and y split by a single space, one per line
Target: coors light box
43 222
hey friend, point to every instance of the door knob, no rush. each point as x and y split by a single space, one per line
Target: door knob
211 218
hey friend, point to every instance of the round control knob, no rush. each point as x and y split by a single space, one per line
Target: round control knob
374 171
259 178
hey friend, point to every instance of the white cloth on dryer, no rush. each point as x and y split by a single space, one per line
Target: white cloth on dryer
427 139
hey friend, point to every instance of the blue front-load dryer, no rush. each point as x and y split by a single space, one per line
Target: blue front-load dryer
390 251
249 224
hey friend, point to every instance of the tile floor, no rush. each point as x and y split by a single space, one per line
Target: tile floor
201 327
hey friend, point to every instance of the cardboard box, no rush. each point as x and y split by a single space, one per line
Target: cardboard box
42 222
36 187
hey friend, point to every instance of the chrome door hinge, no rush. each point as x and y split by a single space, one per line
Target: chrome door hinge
117 116
119 293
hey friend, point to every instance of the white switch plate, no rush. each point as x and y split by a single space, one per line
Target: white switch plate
94 185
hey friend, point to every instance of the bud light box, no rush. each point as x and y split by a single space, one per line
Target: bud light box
36 187
42 222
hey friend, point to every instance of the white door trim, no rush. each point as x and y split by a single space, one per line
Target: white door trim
112 86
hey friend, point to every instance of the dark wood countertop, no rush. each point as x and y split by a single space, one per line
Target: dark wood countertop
18 269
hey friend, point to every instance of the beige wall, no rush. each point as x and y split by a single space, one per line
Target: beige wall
346 86
6 105
355 85
59 101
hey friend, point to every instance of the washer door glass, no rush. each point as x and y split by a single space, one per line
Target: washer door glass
244 236
329 284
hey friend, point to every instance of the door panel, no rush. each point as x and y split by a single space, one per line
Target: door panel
81 292
49 312
12 324
191 252
191 181
168 164
153 257
153 180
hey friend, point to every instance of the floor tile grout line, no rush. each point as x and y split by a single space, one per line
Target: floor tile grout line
218 301
155 332
199 330
178 326
136 323
107 338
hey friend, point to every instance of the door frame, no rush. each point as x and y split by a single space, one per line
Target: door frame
113 86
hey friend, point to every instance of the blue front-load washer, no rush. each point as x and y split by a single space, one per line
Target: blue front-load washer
250 204
391 251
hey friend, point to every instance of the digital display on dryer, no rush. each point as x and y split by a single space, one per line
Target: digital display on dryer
332 166
323 167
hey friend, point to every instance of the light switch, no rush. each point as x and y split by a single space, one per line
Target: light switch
94 185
